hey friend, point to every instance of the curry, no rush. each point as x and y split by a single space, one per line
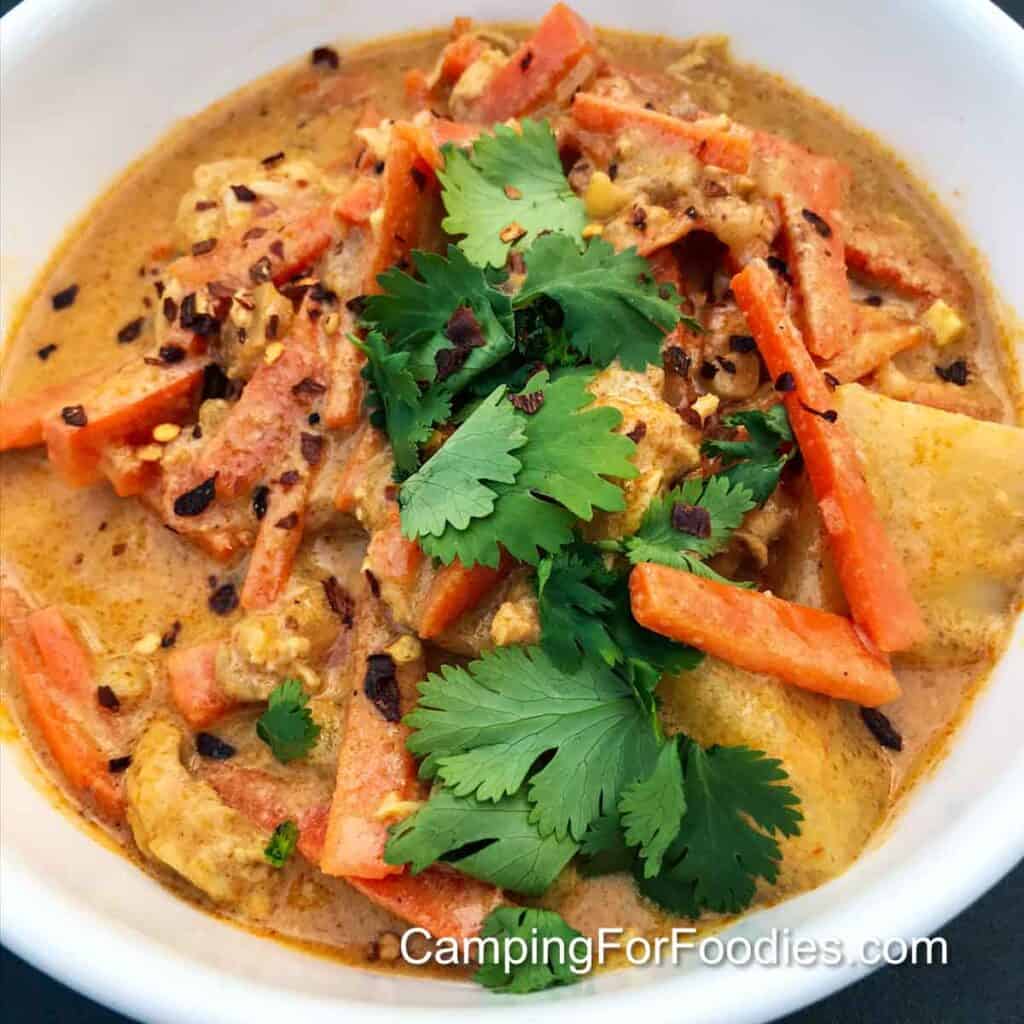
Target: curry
505 479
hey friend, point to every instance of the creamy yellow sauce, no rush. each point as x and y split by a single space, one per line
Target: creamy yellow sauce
121 575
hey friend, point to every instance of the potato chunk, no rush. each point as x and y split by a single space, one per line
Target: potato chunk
835 766
181 822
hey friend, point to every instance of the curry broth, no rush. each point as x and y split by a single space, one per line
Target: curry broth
121 575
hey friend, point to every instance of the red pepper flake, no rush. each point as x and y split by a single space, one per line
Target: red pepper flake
714 190
694 520
196 501
742 343
224 600
308 388
261 271
873 300
205 204
678 360
529 402
130 331
74 416
170 354
260 500
203 247
381 686
638 433
313 419
277 249
882 729
170 638
215 383
273 159
312 447
116 765
785 382
46 351
119 549
691 212
106 698
325 56
831 380
780 266
956 373
288 522
213 747
273 323
419 178
372 582
727 364
339 600
289 478
65 297
829 415
613 171
526 60
170 309
244 194
817 222
356 305
253 233
639 218
378 167
708 370
203 324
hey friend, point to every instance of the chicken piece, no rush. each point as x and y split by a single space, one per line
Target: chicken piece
472 83
517 620
763 526
665 446
181 822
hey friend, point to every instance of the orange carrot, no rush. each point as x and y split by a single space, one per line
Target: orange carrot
344 402
66 662
126 406
74 750
373 762
417 87
532 73
454 591
809 648
360 200
809 190
192 677
287 246
392 557
129 475
869 568
458 55
712 142
878 335
21 419
369 445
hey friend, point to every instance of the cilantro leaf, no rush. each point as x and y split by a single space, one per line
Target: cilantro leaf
568 453
736 804
449 489
531 926
282 843
603 849
415 315
651 810
495 842
755 463
395 401
287 726
476 191
481 730
613 306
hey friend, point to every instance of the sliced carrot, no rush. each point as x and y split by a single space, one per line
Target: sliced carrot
192 678
712 140
979 403
458 55
269 416
373 761
126 406
68 665
417 86
21 419
344 402
73 748
360 200
809 189
454 591
871 573
368 445
287 246
532 73
758 632
128 474
392 557
878 335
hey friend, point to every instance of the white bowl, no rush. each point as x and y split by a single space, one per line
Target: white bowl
87 85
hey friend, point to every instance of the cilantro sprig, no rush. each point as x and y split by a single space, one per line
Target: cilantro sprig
530 926
287 726
757 462
282 844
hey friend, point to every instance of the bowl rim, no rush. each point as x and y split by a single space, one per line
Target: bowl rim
27 926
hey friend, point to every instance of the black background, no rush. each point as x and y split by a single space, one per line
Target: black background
982 984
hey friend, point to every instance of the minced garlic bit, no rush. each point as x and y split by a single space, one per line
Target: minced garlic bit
149 644
944 322
593 230
705 406
150 453
405 649
376 219
165 432
331 323
394 807
273 352
603 198
512 232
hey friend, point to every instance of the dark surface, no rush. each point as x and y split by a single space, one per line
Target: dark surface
983 983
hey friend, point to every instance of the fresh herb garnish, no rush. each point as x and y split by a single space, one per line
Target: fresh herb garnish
531 926
755 463
287 726
282 843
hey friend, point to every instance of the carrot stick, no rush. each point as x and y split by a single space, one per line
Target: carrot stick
369 445
877 337
192 678
373 762
454 590
360 201
809 648
712 141
21 419
129 475
869 569
126 406
74 750
809 190
66 662
344 402
533 72
392 557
